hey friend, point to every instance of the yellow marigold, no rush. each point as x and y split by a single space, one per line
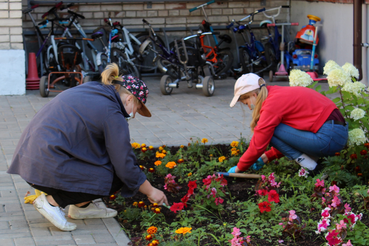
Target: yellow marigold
234 152
234 149
160 148
160 155
234 144
211 155
155 242
189 174
182 146
143 145
135 204
151 147
222 158
204 140
135 145
171 164
152 230
164 151
157 163
184 230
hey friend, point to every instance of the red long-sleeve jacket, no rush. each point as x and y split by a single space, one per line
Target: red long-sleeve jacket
299 107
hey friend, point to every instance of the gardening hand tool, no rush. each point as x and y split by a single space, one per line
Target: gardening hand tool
239 175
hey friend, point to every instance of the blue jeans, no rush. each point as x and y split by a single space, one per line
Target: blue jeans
330 138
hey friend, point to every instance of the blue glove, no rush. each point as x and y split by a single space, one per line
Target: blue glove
232 170
258 164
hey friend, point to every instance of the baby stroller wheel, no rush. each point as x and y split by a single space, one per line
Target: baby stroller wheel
164 85
43 86
208 86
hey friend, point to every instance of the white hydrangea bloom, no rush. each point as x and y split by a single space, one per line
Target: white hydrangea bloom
299 78
351 70
357 114
330 66
338 77
356 136
354 88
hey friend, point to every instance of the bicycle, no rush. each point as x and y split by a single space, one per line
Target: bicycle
220 59
254 58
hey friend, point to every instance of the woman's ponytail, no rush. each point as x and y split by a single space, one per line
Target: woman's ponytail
110 73
262 95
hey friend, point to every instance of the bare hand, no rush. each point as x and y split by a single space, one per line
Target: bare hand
157 196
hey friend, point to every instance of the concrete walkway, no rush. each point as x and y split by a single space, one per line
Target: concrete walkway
176 118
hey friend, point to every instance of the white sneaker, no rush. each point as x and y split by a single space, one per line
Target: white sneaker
95 210
54 214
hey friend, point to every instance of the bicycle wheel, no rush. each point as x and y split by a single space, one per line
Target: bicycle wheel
44 92
145 61
225 61
164 85
245 61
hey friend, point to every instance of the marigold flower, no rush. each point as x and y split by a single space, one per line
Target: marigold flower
143 145
135 145
234 144
141 204
171 165
157 163
189 174
299 78
148 237
155 205
157 210
366 145
135 204
180 161
152 230
182 146
151 170
160 155
184 230
337 154
112 197
222 158
353 156
359 174
155 242
151 147
160 148
150 244
144 149
164 151
142 167
363 152
204 140
234 153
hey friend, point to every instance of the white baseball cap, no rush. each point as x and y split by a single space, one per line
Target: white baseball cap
245 83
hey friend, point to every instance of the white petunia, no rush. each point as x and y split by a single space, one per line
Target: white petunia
330 66
299 78
351 70
354 88
357 114
356 136
338 77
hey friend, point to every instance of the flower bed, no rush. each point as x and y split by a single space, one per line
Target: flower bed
286 206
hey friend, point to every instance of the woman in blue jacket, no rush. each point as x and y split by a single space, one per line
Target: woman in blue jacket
77 149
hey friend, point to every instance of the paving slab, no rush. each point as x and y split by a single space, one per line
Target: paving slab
176 118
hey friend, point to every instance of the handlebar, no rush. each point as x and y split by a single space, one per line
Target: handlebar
27 10
202 5
67 7
52 9
74 13
284 24
252 14
145 21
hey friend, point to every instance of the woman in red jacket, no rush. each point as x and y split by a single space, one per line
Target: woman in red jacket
298 122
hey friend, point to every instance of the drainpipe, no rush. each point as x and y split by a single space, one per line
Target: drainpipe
358 37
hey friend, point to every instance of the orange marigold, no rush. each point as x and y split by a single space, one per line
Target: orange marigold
152 230
182 146
160 155
184 230
234 144
135 204
148 237
155 242
157 163
189 174
204 140
160 148
171 164
144 149
222 158
135 145
151 147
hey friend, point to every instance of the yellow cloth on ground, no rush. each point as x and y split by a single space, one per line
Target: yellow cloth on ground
31 198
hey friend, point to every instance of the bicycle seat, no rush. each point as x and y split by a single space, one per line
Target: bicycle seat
97 35
226 38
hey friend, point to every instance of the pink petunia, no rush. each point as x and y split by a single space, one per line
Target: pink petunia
319 183
293 215
333 238
336 202
236 232
323 225
335 189
325 213
348 243
341 225
347 208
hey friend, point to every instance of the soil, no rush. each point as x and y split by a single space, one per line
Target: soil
237 188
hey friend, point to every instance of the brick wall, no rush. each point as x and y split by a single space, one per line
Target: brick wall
11 24
164 14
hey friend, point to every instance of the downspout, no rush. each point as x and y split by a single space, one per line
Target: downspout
358 37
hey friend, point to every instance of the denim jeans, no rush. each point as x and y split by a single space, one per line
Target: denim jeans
330 138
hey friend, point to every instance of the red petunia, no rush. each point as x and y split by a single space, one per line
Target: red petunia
273 196
192 185
185 200
262 192
176 207
265 207
207 181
